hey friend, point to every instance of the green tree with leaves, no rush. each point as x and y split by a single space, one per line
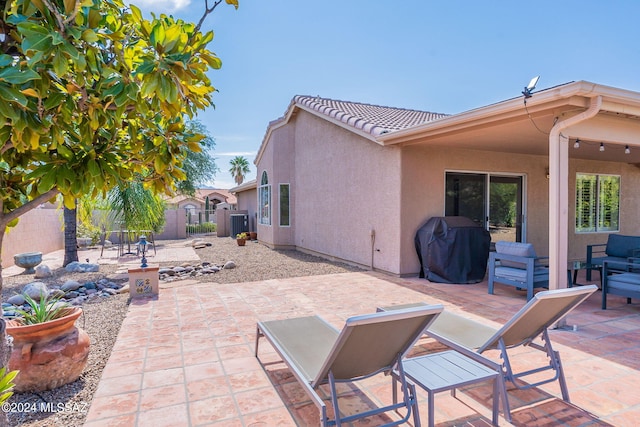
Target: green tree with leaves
199 167
239 169
93 94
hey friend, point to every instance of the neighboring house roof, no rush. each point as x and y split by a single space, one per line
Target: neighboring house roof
249 185
202 193
367 120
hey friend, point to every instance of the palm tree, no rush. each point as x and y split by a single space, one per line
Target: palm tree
239 168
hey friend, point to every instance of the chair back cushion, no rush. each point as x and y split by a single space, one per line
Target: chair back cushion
515 248
622 246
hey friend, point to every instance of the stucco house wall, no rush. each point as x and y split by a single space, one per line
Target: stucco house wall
281 149
359 181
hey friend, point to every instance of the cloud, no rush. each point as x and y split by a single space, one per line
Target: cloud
161 5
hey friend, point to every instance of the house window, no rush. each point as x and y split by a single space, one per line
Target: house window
284 205
264 200
597 203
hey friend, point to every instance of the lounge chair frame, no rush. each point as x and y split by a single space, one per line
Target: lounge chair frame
547 307
472 338
334 348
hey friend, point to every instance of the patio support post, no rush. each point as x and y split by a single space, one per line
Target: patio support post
559 194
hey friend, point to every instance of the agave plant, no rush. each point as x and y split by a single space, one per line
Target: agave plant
6 383
47 308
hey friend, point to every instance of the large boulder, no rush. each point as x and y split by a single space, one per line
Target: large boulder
36 290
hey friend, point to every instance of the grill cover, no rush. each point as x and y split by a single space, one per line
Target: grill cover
452 249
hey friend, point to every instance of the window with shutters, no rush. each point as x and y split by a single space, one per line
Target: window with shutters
597 203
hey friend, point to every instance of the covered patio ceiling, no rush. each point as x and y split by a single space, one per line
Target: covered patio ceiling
516 127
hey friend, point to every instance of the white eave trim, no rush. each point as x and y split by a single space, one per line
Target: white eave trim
576 94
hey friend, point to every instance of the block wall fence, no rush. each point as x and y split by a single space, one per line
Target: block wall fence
41 230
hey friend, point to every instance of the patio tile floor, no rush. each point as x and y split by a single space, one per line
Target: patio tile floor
186 357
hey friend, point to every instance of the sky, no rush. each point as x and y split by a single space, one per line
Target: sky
439 56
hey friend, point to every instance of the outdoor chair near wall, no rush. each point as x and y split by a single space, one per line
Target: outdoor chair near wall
317 353
622 279
516 264
618 248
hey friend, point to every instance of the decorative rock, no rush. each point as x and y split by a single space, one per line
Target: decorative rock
90 285
77 267
71 285
43 271
229 265
110 291
36 290
124 289
178 270
57 293
16 300
168 271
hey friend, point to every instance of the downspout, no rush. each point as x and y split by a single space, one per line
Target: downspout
559 194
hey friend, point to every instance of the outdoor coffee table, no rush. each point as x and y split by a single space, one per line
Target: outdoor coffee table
448 370
574 266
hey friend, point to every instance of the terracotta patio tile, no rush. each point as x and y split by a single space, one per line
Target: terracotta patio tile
163 377
208 387
120 369
160 397
163 362
203 371
199 356
248 380
127 420
125 355
275 417
113 406
235 351
119 385
241 364
212 409
258 400
167 416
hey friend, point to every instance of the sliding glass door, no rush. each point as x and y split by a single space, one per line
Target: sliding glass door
493 201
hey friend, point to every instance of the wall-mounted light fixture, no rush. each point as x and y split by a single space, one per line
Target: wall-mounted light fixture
627 150
577 143
602 146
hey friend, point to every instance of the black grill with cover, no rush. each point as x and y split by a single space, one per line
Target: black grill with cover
452 249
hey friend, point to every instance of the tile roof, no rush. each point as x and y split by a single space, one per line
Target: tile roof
373 119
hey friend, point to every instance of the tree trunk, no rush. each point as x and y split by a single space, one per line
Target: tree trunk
70 236
3 228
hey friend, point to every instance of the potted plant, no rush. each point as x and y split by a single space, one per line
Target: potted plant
241 239
253 235
48 349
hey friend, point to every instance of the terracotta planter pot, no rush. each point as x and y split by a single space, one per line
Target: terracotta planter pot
253 235
48 354
241 242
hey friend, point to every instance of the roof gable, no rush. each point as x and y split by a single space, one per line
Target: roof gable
367 120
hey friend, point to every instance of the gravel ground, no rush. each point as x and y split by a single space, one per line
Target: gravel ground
102 319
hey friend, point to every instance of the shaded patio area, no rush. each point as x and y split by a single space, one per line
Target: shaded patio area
186 358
